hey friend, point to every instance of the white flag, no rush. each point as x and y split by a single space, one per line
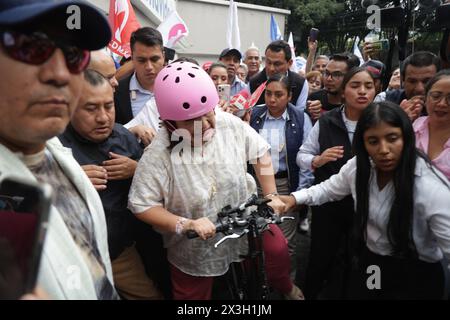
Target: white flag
293 67
172 29
301 63
357 52
233 36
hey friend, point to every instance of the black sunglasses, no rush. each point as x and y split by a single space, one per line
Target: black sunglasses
37 47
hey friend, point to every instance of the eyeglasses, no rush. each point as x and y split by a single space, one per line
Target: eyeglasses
334 75
437 96
36 48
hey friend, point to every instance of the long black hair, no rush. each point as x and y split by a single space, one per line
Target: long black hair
282 79
400 225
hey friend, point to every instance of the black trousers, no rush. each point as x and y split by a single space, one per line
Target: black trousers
410 279
328 264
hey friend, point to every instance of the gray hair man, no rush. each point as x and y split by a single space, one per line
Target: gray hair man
252 58
103 63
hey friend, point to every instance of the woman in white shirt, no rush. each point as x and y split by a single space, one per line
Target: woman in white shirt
402 220
197 165
326 149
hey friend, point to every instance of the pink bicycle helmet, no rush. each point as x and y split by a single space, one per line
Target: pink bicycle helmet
184 91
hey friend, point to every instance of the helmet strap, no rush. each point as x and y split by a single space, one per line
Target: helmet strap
170 125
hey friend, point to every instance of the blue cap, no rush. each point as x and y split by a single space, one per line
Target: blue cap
94 32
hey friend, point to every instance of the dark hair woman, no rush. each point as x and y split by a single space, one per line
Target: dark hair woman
284 127
325 151
433 131
402 220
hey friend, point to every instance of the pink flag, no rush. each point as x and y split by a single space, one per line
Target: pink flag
172 29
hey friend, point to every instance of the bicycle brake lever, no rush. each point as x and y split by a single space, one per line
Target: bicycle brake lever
231 236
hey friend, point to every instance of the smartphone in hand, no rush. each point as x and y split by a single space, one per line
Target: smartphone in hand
24 213
313 34
224 92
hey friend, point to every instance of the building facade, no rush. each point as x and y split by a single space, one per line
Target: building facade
207 23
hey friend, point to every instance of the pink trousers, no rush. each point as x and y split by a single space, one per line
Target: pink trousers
277 266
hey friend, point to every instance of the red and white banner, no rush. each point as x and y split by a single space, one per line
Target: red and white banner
123 23
257 94
172 29
240 100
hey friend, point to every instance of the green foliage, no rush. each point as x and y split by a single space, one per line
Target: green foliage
341 21
315 13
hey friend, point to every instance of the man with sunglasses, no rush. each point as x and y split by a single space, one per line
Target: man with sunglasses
329 97
44 60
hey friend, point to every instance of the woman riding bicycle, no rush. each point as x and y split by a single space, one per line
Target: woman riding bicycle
196 165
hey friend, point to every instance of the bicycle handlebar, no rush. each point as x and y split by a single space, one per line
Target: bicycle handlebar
260 218
191 234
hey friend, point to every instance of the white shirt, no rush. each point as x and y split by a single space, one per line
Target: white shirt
431 221
138 95
311 147
237 86
380 97
148 116
63 273
301 100
273 132
199 185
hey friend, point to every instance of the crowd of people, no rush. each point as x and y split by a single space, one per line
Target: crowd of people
138 155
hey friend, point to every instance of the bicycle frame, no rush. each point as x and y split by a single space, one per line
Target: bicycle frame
234 224
247 284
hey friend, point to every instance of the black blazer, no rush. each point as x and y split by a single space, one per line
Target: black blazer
122 101
295 79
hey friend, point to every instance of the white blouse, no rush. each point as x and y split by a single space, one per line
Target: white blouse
431 222
311 147
196 185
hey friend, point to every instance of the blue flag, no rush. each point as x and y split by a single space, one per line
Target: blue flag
275 33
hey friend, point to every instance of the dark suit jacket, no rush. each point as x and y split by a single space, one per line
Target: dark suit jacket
295 79
122 101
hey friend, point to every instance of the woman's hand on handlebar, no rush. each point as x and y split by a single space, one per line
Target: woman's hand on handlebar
203 226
